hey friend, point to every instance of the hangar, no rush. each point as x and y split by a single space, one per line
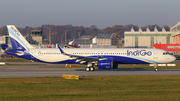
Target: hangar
175 31
146 38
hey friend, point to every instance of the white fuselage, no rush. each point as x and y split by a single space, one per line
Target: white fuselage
130 54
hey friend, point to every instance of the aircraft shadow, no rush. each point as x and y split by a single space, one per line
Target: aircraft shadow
130 70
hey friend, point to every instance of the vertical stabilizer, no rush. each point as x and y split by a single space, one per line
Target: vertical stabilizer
17 40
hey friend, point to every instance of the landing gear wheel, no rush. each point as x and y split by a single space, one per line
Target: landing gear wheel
87 69
156 70
92 68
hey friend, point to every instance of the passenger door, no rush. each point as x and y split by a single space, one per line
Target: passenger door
155 53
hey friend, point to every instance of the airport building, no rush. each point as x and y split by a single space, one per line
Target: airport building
5 39
102 40
146 38
80 42
175 31
35 37
85 37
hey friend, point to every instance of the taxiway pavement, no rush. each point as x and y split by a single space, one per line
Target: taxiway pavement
42 70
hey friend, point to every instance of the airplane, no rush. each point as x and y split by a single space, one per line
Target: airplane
101 57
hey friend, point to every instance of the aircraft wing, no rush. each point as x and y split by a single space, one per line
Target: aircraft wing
83 59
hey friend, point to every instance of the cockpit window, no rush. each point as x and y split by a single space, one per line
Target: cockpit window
166 53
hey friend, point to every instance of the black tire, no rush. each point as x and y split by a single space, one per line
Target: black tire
156 70
92 68
87 69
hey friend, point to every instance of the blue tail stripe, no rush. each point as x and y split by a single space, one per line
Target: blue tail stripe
60 49
12 33
16 45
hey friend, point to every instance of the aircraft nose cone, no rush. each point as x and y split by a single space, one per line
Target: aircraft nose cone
170 59
173 58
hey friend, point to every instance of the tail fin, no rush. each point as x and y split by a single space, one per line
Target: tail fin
17 40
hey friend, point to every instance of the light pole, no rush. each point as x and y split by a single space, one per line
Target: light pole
79 34
65 35
49 35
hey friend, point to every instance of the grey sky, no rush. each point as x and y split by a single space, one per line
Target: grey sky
102 13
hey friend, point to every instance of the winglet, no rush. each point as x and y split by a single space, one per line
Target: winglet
62 52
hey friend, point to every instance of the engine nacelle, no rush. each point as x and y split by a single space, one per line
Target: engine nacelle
105 64
4 46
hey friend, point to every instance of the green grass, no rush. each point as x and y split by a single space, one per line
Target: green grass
108 88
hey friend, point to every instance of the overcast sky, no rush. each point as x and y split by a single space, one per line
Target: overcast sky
102 13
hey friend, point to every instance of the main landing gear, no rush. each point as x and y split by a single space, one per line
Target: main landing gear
155 68
90 69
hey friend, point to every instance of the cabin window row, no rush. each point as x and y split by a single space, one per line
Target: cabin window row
90 53
102 53
49 53
166 53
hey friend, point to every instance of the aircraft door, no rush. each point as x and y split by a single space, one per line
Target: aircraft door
70 52
39 53
155 53
34 53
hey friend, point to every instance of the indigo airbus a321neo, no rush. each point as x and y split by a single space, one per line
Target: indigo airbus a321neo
103 58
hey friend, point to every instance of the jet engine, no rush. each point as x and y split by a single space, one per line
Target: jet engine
107 64
4 46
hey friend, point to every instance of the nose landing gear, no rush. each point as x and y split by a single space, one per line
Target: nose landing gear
155 68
